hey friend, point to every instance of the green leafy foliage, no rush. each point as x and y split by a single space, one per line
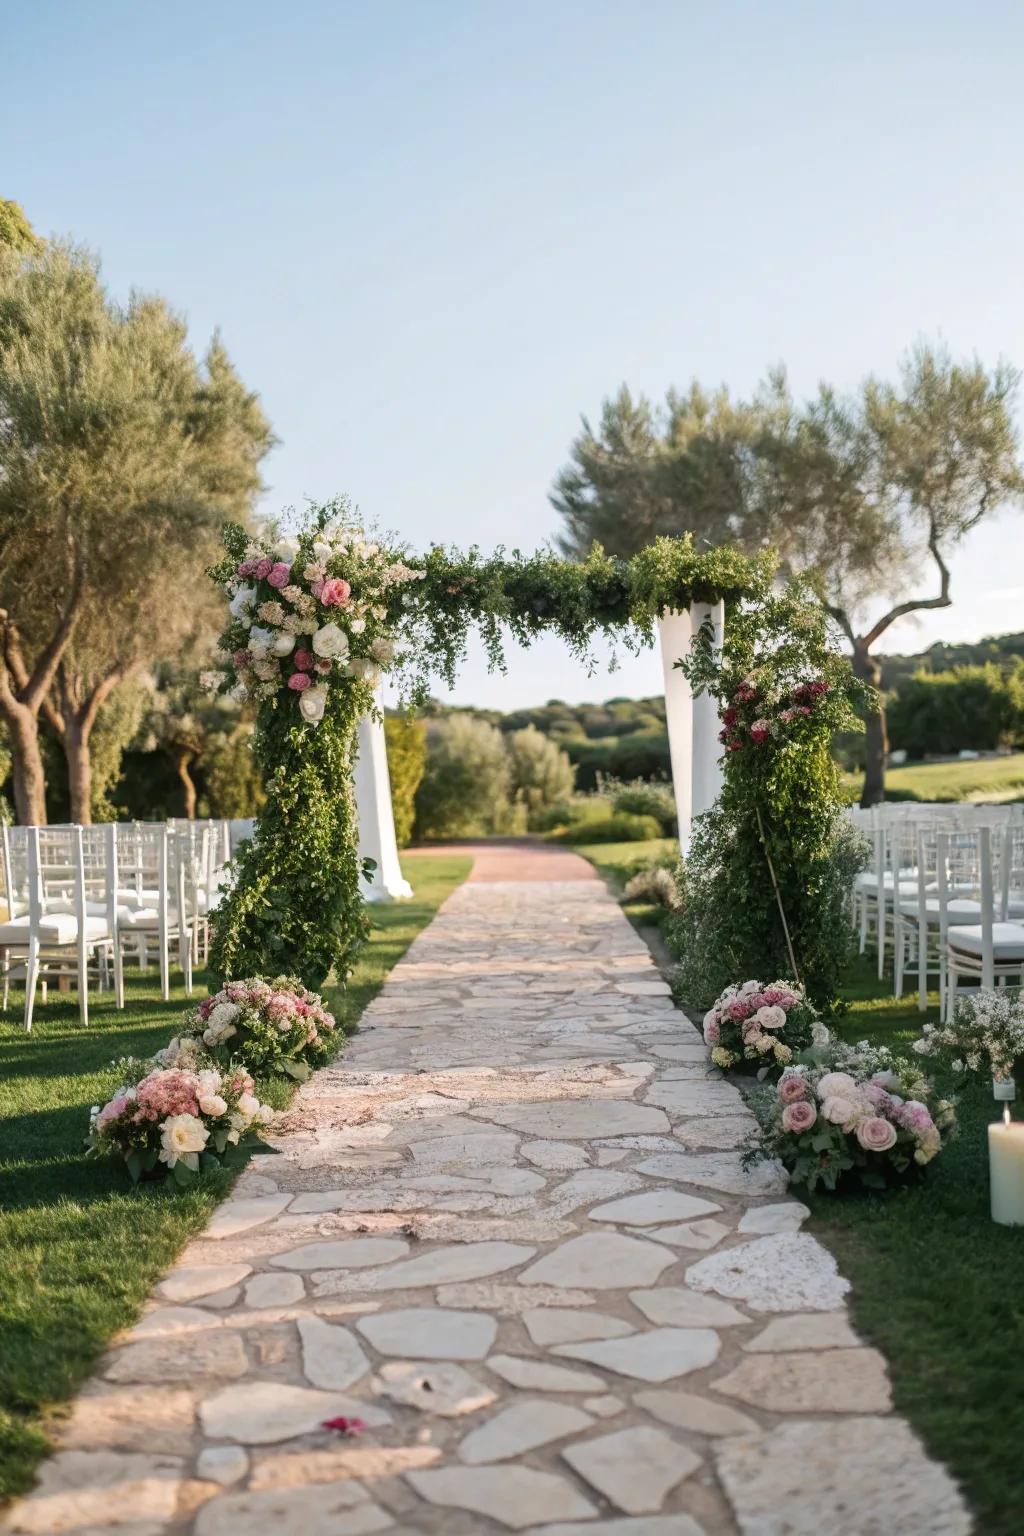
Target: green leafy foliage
777 841
407 760
620 828
977 708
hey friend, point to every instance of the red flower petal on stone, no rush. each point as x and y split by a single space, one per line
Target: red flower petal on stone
344 1426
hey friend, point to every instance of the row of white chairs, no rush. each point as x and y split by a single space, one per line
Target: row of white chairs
79 900
944 896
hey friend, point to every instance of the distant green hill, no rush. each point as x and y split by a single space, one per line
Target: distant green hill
941 657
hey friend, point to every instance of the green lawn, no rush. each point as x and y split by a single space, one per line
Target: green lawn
992 778
938 1287
79 1246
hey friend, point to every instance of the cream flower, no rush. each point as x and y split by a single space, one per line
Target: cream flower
312 704
182 1138
213 1105
331 641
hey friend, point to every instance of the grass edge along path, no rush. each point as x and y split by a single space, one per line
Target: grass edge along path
80 1247
937 1287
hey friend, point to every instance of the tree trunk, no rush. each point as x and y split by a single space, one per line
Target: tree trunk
27 766
79 761
182 760
876 736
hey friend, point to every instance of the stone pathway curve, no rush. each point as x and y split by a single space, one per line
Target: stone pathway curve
510 1231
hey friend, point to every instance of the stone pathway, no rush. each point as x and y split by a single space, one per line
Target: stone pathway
511 1233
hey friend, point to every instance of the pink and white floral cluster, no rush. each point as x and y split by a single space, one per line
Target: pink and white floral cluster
173 1117
756 715
310 612
822 1124
761 1024
270 1026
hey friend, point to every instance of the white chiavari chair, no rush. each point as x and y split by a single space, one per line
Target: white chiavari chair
992 950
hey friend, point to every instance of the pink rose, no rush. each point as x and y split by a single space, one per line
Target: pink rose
279 574
841 1112
799 1117
303 660
334 592
247 568
792 1089
738 1011
771 1017
263 568
300 681
915 1115
241 658
876 1135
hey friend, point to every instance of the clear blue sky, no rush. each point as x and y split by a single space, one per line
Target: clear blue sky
433 234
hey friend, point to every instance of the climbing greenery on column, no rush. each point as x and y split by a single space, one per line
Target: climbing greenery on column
314 620
766 880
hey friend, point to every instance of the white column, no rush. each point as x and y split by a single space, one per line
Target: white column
707 749
376 818
675 632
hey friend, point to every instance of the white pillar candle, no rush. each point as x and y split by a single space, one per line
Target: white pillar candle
1006 1170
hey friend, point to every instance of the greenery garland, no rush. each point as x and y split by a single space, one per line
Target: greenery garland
314 619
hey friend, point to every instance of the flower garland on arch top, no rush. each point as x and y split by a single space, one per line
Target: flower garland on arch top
308 613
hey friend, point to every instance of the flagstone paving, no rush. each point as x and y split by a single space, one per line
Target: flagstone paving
510 1232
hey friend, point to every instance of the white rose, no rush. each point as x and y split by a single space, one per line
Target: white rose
357 626
331 641
283 643
365 670
842 1112
321 551
382 650
247 1106
224 1013
182 1138
209 1082
265 1115
242 603
312 704
212 1104
771 1017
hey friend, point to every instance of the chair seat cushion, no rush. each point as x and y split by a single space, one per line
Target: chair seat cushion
56 928
868 881
958 908
1007 941
144 918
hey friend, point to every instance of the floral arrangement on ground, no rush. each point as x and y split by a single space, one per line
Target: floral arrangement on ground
176 1119
985 1036
274 1026
759 1027
853 1115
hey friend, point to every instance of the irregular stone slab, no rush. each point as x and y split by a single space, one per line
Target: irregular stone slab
443 1389
652 1207
132 1418
657 1355
344 1461
579 1120
695 1096
542 1376
522 1427
641 1525
78 1489
691 1234
166 1320
591 1184
601 1260
717 1170
331 1356
465 1261
263 1412
269 1290
634 1468
678 1307
820 1475
516 1496
236 1216
348 1253
565 1325
786 1272
606 1406
337 1509
469 1151
721 1131
510 1299
430 1333
805 1330
817 1381
559 1156
788 1216
192 1280
700 1415
223 1464
182 1357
